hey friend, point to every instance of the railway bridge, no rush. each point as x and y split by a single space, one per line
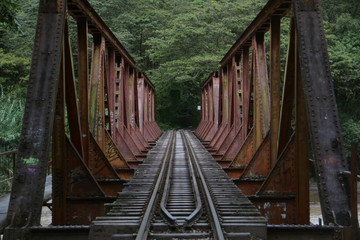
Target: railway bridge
241 174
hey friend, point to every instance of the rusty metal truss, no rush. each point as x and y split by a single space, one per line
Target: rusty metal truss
91 118
259 118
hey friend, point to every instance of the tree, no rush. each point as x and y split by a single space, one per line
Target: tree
8 10
14 71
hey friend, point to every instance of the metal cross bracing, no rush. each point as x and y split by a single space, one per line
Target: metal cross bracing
94 116
265 107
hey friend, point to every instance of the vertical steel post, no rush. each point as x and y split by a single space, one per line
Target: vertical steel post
71 96
262 97
96 88
246 86
33 155
288 94
140 93
59 167
83 78
274 86
111 90
301 152
354 199
322 113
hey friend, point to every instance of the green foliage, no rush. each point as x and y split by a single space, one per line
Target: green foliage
351 131
343 29
178 44
14 72
8 9
11 113
20 42
333 8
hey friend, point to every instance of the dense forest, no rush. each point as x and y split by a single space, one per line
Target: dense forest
177 43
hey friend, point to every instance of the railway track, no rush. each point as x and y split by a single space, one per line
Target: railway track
180 192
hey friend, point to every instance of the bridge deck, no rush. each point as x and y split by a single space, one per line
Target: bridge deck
239 218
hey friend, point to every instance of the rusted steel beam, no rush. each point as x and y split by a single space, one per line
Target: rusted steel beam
144 91
101 28
83 77
111 88
130 88
216 107
96 107
261 86
66 159
58 145
246 92
353 179
267 146
245 154
242 123
209 113
287 183
153 114
260 24
301 151
288 94
67 154
198 130
224 101
116 110
322 112
230 137
33 154
81 162
277 196
71 96
257 169
141 102
202 126
275 75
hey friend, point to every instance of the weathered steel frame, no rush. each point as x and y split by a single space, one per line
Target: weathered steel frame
147 126
323 116
89 166
33 155
261 156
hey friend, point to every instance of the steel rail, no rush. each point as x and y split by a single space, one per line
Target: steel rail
144 226
197 212
169 217
194 214
211 206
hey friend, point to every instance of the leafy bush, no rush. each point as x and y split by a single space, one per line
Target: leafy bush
11 113
14 72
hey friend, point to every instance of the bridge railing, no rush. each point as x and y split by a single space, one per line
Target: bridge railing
266 105
87 114
7 165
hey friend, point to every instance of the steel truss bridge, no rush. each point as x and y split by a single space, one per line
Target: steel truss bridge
242 174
